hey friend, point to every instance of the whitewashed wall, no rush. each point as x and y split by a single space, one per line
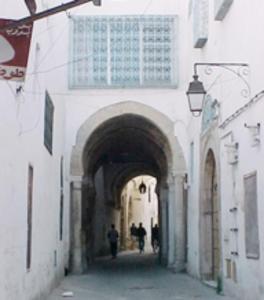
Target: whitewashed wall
22 136
237 38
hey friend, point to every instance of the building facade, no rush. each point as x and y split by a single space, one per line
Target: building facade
103 102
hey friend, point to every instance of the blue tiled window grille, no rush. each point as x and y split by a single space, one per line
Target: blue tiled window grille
209 113
123 51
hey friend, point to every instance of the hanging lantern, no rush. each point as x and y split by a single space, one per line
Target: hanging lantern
142 188
196 94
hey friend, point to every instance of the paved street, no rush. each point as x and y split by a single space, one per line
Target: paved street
133 276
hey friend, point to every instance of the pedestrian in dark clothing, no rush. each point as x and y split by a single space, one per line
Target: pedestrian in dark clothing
155 238
133 236
133 230
113 240
141 233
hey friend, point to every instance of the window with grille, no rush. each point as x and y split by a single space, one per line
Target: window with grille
123 51
48 122
200 22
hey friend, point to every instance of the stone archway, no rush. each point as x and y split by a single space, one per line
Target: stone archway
136 139
210 250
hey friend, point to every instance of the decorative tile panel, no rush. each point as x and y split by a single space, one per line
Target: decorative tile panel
157 51
200 22
209 113
123 51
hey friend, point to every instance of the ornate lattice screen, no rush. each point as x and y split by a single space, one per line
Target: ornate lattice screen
123 51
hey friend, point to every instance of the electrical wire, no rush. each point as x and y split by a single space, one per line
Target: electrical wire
74 61
49 50
22 132
58 38
16 102
59 66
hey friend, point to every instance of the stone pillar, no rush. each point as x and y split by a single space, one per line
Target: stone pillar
171 222
76 227
87 223
164 223
179 264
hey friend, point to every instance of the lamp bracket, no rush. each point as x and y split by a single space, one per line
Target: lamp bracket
254 133
252 126
233 145
239 69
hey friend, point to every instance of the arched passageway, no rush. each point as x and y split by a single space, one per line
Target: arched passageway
210 227
115 145
139 204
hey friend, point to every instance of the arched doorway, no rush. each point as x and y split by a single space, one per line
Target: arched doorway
139 204
210 221
112 147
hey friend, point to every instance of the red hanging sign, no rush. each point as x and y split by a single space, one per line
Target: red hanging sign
14 51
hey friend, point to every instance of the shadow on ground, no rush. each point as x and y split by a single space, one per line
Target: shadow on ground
133 276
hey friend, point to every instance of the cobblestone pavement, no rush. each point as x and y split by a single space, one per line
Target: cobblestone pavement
133 276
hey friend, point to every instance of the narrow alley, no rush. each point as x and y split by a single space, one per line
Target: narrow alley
127 124
133 276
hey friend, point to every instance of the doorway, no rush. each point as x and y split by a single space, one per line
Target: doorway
210 224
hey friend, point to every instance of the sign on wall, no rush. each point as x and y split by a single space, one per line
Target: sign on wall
14 51
251 216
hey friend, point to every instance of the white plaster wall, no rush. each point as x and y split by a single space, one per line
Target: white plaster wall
238 38
80 104
250 271
21 133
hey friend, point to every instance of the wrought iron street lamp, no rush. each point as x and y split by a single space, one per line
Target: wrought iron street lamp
196 92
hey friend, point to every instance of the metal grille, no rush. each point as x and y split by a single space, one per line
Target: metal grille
123 51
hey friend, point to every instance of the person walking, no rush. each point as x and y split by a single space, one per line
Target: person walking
141 233
133 236
113 240
155 238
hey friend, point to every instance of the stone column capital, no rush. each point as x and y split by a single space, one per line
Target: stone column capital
176 177
76 185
